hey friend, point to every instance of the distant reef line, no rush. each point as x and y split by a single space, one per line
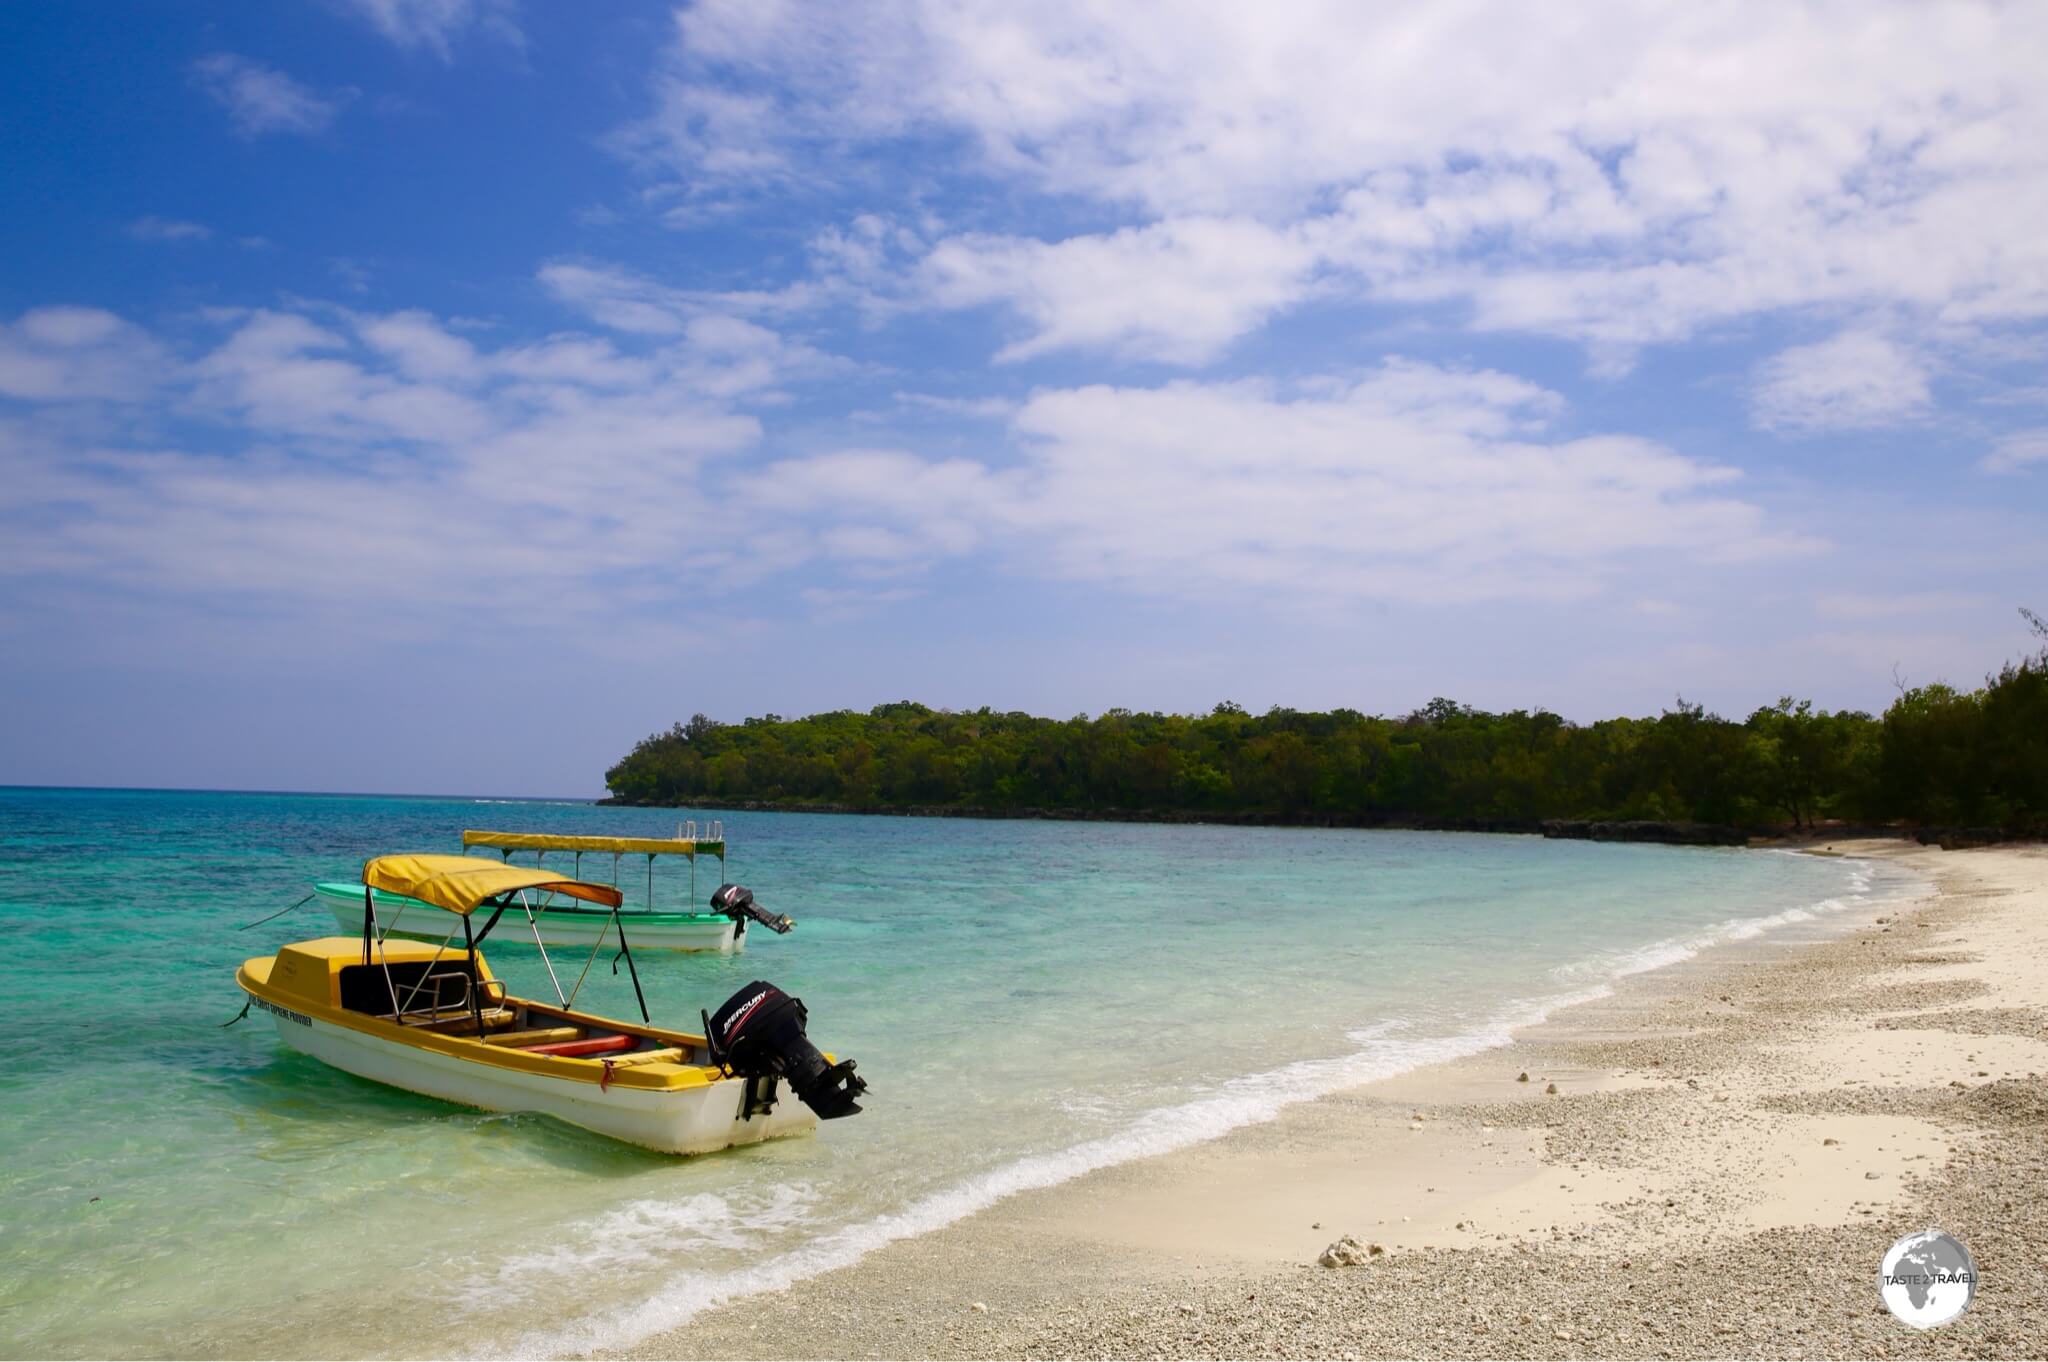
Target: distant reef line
1666 832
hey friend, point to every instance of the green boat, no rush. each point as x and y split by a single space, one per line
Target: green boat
560 921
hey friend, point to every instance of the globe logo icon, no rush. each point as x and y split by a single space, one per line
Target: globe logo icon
1927 1279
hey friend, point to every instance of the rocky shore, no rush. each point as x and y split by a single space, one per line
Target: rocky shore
1711 1162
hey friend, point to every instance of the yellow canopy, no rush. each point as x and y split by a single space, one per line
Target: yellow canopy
541 841
460 883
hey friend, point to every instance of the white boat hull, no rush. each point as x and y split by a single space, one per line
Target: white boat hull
689 1121
643 931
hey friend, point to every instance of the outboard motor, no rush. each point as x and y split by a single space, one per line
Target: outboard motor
759 1035
736 901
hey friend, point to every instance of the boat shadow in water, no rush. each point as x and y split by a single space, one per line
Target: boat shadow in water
307 1110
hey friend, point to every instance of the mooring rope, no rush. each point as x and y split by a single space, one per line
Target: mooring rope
274 916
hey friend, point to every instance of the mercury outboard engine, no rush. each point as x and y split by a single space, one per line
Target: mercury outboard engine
759 1035
736 901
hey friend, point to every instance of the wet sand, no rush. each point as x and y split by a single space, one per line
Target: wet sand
1710 1162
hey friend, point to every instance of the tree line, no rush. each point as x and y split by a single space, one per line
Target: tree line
1939 756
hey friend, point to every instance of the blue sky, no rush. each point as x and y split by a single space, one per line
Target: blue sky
440 395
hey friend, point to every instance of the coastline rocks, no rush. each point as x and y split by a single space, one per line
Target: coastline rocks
1646 830
1962 839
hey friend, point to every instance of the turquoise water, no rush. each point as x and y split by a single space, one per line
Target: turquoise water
1029 1000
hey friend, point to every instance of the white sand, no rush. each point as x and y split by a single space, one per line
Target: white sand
1797 1105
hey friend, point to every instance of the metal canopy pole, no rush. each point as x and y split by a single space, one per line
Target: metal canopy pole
370 933
476 987
602 933
527 907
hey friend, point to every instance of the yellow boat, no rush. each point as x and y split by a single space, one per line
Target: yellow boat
432 1019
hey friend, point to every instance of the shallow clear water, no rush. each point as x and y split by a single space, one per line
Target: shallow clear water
1029 1000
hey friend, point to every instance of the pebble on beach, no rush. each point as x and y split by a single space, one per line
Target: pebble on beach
1346 1252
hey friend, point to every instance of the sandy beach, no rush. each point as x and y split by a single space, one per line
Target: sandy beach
1710 1161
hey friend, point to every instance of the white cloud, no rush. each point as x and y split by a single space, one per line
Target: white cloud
1411 483
433 25
384 457
1179 291
1856 380
852 603
1865 606
352 275
261 99
863 266
618 298
74 353
168 229
1620 176
983 408
421 347
2017 451
283 373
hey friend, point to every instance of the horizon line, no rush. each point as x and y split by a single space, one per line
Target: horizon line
321 794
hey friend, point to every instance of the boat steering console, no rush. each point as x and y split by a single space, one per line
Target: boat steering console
759 1035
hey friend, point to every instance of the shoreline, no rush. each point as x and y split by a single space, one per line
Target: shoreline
1665 832
1702 834
1729 1104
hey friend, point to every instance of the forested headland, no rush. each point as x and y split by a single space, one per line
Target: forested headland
1939 756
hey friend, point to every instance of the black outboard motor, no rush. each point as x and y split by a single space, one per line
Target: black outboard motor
759 1035
736 901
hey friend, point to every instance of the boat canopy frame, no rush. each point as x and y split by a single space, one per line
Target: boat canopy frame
688 846
463 884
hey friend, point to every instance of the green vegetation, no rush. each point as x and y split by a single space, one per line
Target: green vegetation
1937 757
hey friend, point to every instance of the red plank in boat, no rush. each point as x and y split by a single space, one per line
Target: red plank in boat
593 1045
